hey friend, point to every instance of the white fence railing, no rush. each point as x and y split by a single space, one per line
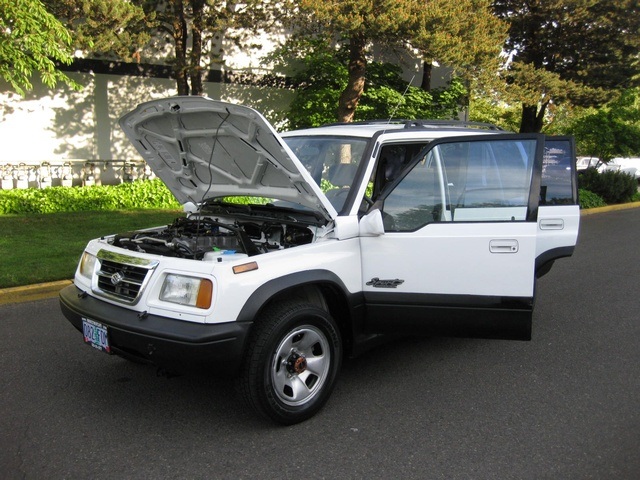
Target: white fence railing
71 173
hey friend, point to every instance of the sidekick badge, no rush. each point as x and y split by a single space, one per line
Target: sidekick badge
378 283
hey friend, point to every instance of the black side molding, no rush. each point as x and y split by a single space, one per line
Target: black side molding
545 261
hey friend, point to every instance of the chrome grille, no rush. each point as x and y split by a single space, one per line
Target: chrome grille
121 277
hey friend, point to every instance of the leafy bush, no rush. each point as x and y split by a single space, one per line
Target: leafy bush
613 187
126 196
590 200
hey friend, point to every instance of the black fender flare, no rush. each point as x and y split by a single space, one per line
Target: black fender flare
274 287
544 262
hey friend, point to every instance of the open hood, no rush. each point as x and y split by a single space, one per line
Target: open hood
203 148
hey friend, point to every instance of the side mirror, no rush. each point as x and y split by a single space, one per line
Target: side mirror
371 224
346 227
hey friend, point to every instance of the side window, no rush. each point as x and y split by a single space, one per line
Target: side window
557 185
464 181
394 158
417 199
489 180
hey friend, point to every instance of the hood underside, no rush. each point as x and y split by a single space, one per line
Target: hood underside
203 148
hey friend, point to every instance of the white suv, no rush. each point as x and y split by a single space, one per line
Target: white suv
350 232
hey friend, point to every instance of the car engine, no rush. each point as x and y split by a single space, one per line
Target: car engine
192 238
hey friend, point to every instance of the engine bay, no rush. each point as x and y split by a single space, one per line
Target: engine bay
193 237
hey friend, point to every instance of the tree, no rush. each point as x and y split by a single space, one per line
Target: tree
358 23
132 29
484 108
115 29
461 34
612 130
194 25
32 41
321 78
177 19
464 34
581 51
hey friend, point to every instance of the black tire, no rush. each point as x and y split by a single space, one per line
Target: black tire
292 362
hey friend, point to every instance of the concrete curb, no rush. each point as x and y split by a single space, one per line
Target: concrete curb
610 208
41 291
28 293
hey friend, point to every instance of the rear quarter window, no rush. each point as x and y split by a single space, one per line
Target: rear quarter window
557 185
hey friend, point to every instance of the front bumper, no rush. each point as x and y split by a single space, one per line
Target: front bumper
163 341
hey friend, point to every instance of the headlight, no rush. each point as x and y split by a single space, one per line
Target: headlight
87 265
192 291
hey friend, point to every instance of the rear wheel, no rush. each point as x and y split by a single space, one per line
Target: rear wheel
292 362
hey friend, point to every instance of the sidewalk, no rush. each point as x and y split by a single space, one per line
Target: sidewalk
41 291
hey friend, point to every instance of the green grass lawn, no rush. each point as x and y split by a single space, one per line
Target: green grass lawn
46 247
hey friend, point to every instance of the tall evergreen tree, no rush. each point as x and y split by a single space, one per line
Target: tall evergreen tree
358 23
569 50
464 35
461 34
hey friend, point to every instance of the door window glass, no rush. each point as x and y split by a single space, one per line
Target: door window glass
416 200
463 181
491 179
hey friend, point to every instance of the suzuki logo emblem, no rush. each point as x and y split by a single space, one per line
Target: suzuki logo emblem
116 278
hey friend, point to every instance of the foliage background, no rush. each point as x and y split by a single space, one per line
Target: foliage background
612 187
145 194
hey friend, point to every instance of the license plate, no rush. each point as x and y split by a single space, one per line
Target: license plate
95 334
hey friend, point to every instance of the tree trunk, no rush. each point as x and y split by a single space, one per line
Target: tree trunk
179 30
195 70
427 68
531 120
355 86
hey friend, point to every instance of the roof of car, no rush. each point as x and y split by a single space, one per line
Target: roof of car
424 128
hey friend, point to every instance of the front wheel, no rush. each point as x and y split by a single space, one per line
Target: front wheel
292 362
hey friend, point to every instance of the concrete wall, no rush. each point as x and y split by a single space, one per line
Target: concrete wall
65 137
61 136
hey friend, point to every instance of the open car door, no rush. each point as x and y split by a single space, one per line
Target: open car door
458 255
559 210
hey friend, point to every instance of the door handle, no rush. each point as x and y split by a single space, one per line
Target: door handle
504 246
551 224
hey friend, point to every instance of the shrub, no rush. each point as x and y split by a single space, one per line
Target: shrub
137 195
613 187
590 200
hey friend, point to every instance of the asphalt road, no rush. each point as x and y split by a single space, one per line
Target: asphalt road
564 406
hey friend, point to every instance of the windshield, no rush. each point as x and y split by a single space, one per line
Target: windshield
331 161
